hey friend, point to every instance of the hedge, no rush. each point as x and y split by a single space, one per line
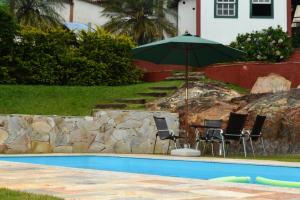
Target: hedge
272 44
59 57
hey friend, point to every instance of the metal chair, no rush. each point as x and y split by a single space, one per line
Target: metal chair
212 134
234 131
255 133
164 133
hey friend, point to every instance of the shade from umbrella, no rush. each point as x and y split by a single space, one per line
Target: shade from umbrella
186 50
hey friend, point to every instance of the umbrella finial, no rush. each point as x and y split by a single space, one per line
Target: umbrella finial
187 33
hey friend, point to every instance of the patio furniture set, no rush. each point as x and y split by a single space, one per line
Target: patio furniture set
214 134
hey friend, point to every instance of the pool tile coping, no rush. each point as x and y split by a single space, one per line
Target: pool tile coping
168 157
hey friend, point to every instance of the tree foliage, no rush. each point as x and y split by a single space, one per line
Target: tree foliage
37 13
144 20
7 31
59 57
272 44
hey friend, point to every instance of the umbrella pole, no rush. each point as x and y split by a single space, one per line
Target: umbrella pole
186 95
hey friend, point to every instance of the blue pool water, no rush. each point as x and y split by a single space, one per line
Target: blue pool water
176 168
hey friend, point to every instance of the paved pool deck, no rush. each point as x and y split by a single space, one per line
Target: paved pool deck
85 184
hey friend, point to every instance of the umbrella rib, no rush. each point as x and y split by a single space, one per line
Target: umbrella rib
196 57
221 52
163 57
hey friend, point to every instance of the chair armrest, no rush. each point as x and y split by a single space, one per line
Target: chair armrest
246 132
216 129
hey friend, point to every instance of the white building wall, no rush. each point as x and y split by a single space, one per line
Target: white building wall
225 30
84 13
187 16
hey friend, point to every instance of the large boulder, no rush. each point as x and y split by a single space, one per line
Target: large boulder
271 83
213 101
281 130
200 95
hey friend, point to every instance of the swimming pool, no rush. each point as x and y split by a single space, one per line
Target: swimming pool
174 168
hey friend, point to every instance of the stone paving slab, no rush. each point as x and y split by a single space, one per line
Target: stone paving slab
83 184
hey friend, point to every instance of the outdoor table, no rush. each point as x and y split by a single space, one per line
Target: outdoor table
197 132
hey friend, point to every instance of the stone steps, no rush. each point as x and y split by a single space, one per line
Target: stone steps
153 94
164 88
111 106
176 74
193 76
131 101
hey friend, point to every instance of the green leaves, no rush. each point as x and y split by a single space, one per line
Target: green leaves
272 44
59 57
144 20
37 13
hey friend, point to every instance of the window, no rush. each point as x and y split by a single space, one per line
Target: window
226 8
262 8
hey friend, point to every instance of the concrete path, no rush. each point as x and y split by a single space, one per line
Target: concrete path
80 184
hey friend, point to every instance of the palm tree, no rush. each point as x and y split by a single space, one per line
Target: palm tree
38 13
144 20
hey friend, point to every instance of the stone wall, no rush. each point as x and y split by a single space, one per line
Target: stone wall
105 132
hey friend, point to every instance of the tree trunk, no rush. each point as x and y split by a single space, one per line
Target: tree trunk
12 5
71 18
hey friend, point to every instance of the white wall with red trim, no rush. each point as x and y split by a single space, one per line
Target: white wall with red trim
225 30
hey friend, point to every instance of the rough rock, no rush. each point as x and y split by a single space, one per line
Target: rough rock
40 147
63 149
271 83
200 94
3 136
108 132
281 129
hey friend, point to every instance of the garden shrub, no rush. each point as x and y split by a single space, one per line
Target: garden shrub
39 55
114 51
8 29
272 44
59 57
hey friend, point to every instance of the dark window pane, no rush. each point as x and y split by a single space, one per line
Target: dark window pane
263 10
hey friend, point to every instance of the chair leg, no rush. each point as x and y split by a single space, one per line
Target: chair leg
244 144
223 144
220 149
175 143
263 144
197 145
251 143
204 148
168 147
154 145
212 149
227 148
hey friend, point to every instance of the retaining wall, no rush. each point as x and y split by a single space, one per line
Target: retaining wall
106 132
246 74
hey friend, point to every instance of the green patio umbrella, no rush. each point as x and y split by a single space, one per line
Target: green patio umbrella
186 50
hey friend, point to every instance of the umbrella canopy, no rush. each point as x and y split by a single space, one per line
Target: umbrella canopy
198 52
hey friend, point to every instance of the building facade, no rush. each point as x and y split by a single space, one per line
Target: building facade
223 20
83 12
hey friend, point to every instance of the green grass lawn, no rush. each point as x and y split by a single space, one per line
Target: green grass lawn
67 100
227 85
283 158
15 195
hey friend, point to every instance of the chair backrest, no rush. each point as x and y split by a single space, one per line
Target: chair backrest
235 125
257 126
162 128
215 124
